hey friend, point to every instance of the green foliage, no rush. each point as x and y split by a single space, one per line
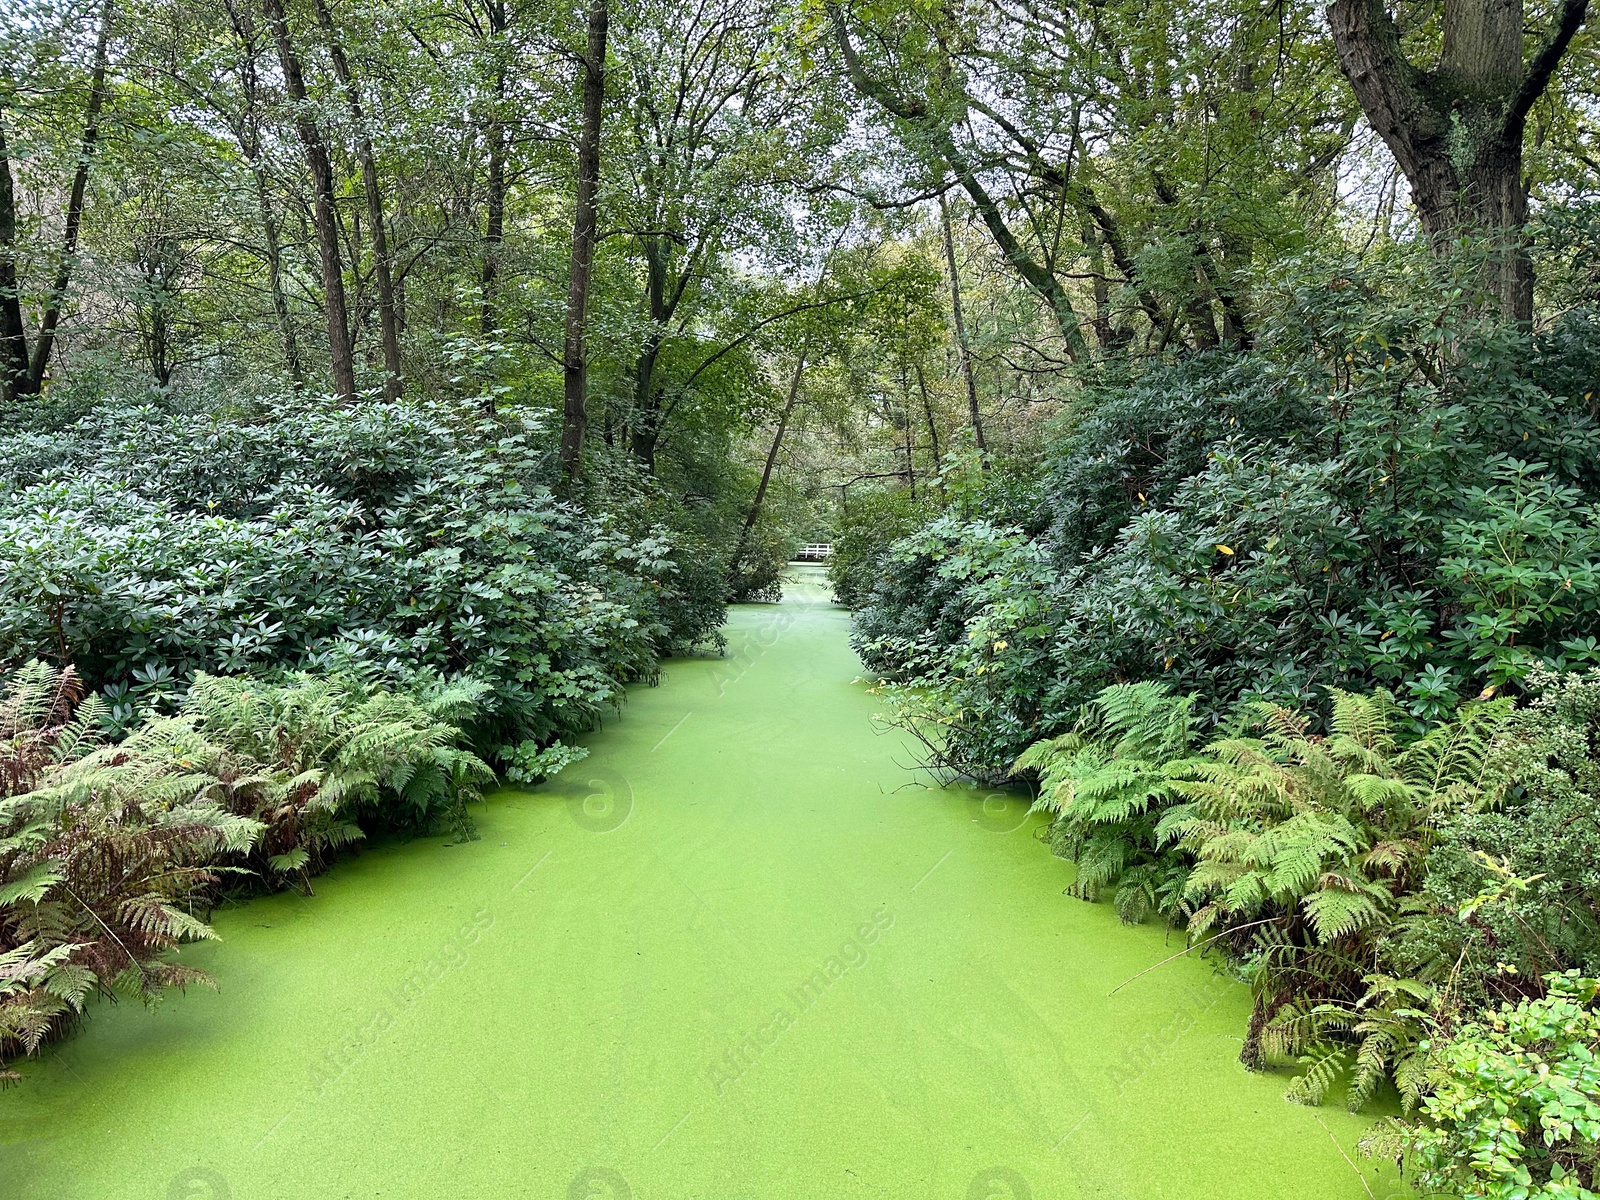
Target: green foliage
1515 1106
1524 874
527 763
1308 852
1107 783
1356 502
393 541
335 751
100 869
108 847
1302 856
873 520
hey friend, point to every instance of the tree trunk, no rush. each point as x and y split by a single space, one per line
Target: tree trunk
388 319
247 132
927 411
754 514
1457 131
32 383
914 111
324 217
13 333
585 221
645 420
280 298
963 348
494 224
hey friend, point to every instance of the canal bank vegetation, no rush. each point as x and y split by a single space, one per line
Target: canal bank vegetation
1267 556
1200 399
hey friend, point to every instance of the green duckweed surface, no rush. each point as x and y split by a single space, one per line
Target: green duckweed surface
740 953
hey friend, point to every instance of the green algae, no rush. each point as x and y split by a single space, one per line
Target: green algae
740 952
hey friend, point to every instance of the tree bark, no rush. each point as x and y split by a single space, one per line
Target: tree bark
324 218
280 298
494 223
754 513
585 221
645 420
1457 131
963 348
13 333
388 318
927 411
31 381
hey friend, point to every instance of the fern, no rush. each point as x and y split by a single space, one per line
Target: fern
106 850
1107 782
1308 851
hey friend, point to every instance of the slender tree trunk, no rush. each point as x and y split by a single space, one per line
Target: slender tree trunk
280 298
963 347
494 229
324 216
388 319
645 420
754 513
927 411
494 224
56 298
1104 333
247 132
585 221
13 333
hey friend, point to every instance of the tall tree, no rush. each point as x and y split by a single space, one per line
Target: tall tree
245 121
324 217
494 224
1456 129
958 317
388 317
585 223
23 374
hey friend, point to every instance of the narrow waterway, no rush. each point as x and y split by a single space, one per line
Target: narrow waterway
740 953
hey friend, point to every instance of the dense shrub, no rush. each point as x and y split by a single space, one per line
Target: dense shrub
1514 1109
110 846
1303 856
98 879
1358 502
872 521
147 543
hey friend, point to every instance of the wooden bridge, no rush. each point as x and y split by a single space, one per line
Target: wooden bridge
814 552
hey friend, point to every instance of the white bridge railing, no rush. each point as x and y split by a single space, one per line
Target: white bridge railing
814 552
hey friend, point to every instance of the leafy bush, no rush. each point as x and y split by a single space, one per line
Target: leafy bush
1357 502
1525 873
1302 856
335 752
1515 1105
755 576
873 520
389 541
1315 847
1107 783
108 847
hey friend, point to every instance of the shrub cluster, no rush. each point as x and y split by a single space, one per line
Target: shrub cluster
1383 493
290 625
393 541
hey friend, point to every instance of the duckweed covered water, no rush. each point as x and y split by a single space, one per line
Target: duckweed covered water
741 953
